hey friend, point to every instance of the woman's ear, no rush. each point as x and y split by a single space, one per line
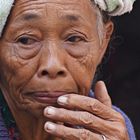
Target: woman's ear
107 32
109 27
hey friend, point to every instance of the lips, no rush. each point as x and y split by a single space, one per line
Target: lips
47 97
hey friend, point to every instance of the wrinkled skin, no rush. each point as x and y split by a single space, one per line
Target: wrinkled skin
53 47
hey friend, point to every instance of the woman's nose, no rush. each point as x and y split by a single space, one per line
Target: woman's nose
52 68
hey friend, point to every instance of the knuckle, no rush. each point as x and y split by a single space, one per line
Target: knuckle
94 106
86 118
84 134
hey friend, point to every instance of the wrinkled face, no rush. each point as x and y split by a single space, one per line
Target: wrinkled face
49 48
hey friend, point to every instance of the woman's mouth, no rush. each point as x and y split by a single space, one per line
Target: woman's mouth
47 97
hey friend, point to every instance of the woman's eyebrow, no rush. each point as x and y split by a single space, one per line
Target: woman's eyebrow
28 17
73 18
34 16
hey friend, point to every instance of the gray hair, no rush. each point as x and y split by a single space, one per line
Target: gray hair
102 18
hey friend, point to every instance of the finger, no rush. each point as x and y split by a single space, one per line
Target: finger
70 133
77 118
78 102
101 94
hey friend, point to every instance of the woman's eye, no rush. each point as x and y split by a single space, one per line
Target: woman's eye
26 40
75 39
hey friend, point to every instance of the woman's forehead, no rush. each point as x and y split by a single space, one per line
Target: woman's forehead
63 3
70 10
81 6
53 1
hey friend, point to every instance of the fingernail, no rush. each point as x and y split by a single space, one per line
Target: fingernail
50 126
62 100
50 111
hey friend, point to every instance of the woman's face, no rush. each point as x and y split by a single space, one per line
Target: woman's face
49 48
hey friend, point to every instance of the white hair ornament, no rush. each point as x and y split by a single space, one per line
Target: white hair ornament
115 7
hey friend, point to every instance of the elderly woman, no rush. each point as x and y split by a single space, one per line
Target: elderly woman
49 52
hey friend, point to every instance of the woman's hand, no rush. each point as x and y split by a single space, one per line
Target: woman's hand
95 117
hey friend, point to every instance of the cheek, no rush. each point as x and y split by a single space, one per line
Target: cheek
15 72
82 71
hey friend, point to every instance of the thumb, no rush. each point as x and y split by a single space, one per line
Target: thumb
101 94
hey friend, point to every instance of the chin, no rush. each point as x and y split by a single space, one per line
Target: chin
34 108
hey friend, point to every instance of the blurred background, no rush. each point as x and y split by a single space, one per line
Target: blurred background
122 71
